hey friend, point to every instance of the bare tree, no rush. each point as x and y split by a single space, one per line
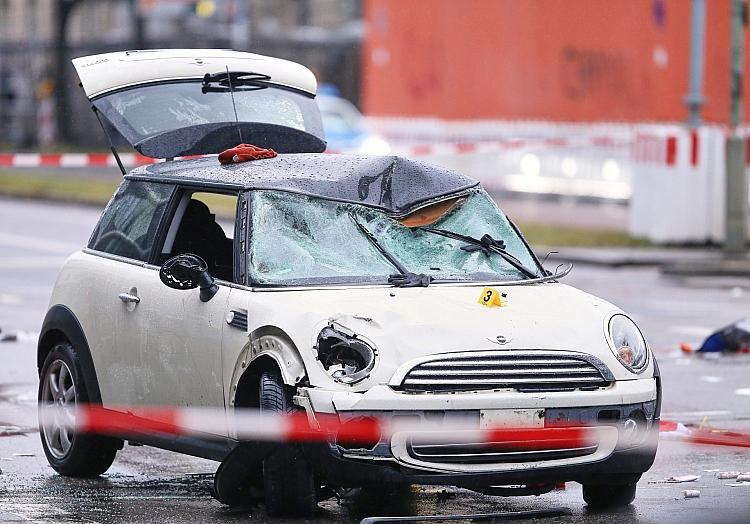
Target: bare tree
64 9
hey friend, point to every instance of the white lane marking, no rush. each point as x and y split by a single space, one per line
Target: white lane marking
697 331
37 243
7 299
742 391
41 513
23 262
712 380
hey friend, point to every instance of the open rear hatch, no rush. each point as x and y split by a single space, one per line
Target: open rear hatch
179 102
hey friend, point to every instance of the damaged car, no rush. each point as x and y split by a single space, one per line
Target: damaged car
345 286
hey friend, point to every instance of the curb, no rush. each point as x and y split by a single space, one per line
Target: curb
630 257
714 268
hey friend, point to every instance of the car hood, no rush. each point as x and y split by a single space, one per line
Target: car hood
405 324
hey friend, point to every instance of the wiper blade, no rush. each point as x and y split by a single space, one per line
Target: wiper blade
226 82
404 278
486 244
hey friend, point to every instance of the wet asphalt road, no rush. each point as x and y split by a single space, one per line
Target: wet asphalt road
149 485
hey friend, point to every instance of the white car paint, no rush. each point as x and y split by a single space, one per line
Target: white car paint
106 72
188 356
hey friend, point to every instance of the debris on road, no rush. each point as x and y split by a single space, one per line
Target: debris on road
734 338
676 479
691 493
745 477
24 455
684 478
725 475
8 430
9 337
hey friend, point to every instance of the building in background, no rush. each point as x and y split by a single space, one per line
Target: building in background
40 103
552 60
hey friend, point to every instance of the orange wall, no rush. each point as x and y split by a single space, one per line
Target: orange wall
563 60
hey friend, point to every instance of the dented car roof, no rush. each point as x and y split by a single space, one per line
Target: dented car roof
393 184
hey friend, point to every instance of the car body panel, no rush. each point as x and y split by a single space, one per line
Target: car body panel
141 352
438 319
106 72
383 398
393 184
169 103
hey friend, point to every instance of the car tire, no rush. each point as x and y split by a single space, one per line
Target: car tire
288 479
61 384
608 495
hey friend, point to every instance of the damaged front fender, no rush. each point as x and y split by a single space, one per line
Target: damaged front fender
269 342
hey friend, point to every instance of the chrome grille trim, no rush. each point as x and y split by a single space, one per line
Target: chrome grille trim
523 370
483 453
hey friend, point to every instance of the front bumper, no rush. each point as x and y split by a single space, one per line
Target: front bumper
621 466
396 461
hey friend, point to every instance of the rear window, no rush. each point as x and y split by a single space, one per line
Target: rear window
129 224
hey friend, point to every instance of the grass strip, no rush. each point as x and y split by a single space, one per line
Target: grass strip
66 188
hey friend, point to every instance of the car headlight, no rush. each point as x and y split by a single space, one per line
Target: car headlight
346 358
627 343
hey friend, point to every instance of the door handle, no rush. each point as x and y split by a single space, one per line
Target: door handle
128 298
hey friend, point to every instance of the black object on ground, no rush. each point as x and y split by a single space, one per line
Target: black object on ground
734 338
238 480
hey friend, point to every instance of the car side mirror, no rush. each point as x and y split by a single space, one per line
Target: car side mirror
189 272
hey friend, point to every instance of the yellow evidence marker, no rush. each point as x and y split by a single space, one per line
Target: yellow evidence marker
491 297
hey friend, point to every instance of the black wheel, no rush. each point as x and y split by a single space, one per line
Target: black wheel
608 495
61 389
288 480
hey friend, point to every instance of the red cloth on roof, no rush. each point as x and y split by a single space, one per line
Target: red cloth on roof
245 152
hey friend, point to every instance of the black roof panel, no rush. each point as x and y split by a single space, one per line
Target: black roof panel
394 184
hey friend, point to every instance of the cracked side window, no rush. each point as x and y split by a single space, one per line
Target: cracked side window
129 223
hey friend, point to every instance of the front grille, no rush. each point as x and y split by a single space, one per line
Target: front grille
491 453
525 371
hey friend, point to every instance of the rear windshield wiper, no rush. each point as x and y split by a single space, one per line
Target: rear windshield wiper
225 82
404 278
487 244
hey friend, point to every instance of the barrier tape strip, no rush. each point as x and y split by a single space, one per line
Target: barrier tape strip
72 160
255 425
713 436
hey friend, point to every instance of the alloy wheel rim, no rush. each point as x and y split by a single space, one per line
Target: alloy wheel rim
57 409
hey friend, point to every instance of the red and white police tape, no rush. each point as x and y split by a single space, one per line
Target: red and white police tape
73 160
257 425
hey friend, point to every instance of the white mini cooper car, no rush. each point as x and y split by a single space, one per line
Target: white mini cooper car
344 286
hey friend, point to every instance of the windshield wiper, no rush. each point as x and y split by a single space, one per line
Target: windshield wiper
226 82
486 244
404 278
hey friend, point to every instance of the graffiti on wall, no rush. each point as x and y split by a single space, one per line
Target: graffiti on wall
591 72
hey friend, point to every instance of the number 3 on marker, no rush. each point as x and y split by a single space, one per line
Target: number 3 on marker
491 298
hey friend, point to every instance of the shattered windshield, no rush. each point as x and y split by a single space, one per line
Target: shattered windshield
298 240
